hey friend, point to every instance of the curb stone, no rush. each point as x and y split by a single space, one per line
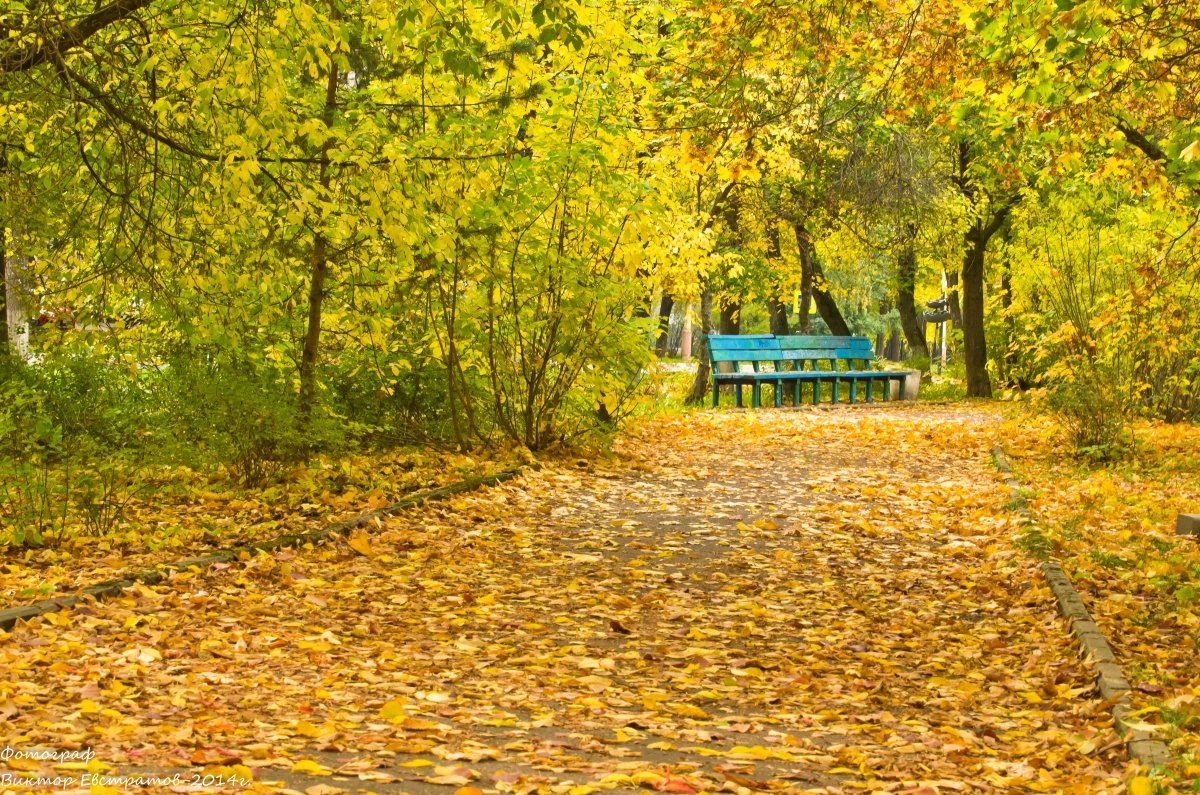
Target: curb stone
158 574
1110 681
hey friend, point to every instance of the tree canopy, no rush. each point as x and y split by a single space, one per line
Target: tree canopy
461 213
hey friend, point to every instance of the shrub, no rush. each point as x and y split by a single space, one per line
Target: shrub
72 444
244 415
1093 414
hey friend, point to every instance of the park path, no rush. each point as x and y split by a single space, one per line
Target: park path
770 601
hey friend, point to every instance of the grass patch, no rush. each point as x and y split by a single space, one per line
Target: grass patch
1036 543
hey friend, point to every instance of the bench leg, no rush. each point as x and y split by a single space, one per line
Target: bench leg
737 395
756 396
796 392
887 389
837 390
900 382
778 394
853 391
715 394
870 390
816 391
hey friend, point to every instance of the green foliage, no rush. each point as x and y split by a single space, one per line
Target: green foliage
1092 413
71 446
243 415
922 363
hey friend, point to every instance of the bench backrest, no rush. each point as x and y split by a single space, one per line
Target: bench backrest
790 352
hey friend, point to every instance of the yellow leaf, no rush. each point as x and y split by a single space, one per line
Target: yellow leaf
323 789
309 730
1140 726
1140 785
393 710
450 780
689 711
1191 152
617 779
360 542
311 768
646 777
417 763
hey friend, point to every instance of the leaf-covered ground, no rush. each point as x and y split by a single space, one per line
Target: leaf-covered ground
778 601
189 513
1113 528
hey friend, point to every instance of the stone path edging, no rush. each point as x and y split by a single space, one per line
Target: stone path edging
1110 681
153 576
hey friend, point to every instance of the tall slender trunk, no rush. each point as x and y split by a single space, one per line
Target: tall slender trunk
952 304
664 324
1010 323
5 338
882 338
699 391
804 315
731 308
776 308
912 322
319 262
685 336
827 307
974 341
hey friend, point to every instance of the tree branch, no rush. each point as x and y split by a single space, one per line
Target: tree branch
1135 137
35 55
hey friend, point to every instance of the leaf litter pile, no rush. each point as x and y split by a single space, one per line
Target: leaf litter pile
824 601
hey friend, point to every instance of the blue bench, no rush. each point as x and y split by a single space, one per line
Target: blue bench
793 361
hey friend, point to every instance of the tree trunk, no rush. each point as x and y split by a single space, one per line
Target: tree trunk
776 308
827 308
731 318
778 316
5 338
731 308
804 315
894 349
974 341
956 315
912 322
312 336
664 324
319 263
1010 323
881 337
700 350
685 336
